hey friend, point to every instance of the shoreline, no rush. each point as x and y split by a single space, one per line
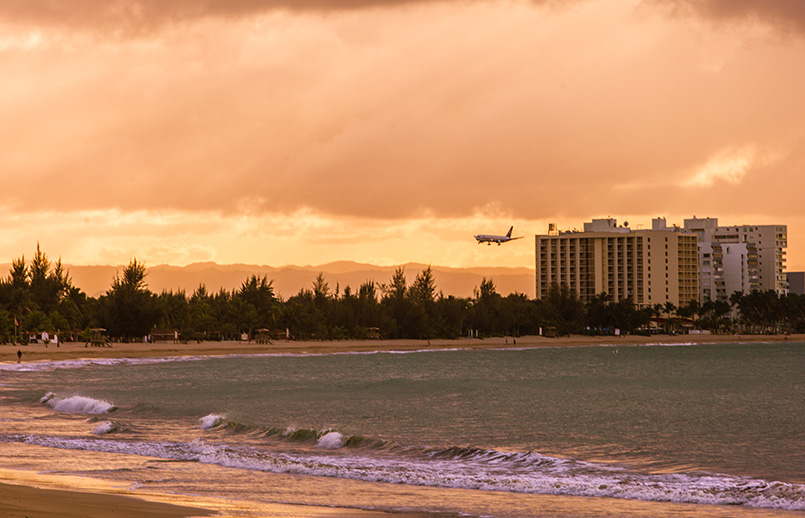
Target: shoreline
78 350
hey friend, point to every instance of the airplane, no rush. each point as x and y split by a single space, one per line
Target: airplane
489 239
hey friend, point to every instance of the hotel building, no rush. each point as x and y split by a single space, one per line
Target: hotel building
739 258
650 267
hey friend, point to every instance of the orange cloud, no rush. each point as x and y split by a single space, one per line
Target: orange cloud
786 14
257 111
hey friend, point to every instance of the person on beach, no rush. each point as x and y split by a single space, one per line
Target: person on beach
19 355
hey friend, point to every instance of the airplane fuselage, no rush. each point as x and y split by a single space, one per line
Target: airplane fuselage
491 238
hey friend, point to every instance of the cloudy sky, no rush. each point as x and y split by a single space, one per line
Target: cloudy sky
385 131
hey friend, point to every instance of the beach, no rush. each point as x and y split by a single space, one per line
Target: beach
25 501
32 494
79 350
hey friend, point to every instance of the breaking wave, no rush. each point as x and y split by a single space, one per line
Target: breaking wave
211 421
77 404
466 468
106 427
331 441
326 438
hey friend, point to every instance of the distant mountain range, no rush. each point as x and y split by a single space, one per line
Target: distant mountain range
288 280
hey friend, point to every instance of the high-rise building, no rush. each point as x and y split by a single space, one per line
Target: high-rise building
650 267
739 258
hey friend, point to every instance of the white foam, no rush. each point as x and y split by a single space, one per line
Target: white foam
50 365
211 421
78 404
331 441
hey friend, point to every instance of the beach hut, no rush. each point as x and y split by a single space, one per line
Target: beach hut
98 338
263 336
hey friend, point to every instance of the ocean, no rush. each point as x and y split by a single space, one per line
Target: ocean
710 430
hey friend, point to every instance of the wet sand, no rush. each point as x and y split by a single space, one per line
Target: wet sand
18 501
28 501
25 494
36 496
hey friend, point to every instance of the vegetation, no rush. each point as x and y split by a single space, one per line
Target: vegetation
39 296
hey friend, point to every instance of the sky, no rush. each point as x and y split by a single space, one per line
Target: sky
279 132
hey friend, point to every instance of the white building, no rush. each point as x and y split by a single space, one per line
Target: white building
739 258
740 267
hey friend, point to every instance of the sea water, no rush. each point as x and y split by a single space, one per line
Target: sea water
692 430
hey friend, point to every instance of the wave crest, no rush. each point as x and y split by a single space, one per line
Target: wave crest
77 404
211 421
106 427
331 440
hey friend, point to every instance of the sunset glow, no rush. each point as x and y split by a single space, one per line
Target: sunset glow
278 132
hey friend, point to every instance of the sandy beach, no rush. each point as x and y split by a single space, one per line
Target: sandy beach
20 501
29 494
24 494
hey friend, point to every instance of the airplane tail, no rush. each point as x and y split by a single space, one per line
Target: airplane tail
509 233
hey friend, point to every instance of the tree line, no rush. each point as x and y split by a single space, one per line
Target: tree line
39 296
